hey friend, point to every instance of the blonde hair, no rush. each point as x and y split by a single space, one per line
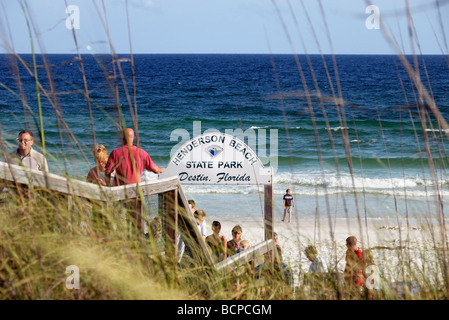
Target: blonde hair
237 228
100 154
311 250
245 243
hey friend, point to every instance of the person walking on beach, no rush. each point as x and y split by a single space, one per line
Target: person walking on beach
128 161
289 203
234 243
217 243
25 155
353 270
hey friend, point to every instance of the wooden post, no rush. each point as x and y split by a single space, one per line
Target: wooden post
268 211
160 204
171 222
69 203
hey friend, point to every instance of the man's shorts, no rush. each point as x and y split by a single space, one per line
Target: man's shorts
288 209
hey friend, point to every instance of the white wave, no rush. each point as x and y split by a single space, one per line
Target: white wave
256 127
438 130
313 183
337 128
332 180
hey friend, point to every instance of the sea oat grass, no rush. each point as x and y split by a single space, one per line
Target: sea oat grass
39 241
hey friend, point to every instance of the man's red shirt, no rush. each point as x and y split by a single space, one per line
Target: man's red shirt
128 169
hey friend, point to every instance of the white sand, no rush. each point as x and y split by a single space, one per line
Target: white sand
382 236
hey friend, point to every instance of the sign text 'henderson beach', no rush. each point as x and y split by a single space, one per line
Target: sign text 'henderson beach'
217 159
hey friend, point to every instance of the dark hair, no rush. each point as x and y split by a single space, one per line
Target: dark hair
200 214
26 131
216 224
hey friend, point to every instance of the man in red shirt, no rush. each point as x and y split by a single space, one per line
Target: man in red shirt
128 161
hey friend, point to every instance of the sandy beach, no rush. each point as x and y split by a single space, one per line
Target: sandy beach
393 245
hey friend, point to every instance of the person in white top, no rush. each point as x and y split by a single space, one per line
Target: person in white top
317 264
200 217
25 155
316 277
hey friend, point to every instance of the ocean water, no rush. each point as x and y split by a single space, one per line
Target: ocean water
369 157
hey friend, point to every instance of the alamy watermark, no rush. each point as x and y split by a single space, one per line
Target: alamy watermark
72 281
255 138
373 21
73 19
373 280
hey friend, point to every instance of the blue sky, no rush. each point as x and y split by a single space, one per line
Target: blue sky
223 26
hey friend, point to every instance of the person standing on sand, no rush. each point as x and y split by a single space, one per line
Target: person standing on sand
289 203
317 268
353 270
128 161
317 264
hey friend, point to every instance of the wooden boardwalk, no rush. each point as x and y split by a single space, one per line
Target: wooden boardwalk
172 203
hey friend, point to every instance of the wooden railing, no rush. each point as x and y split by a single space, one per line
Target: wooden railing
170 192
250 254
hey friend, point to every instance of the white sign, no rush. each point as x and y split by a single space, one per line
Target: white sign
217 158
